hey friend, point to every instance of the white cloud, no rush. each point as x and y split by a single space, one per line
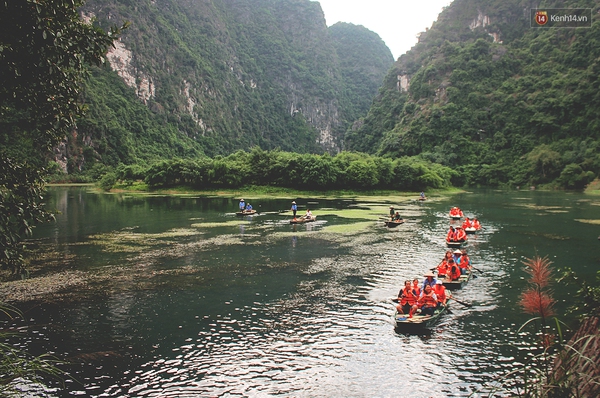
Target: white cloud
397 22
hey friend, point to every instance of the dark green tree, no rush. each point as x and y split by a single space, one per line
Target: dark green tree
45 48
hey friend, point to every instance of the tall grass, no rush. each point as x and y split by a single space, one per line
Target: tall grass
19 367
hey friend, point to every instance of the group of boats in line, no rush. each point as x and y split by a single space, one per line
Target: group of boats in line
453 272
246 209
450 274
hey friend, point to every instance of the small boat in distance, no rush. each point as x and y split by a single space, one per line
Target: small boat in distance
302 220
457 284
393 223
456 213
455 243
246 212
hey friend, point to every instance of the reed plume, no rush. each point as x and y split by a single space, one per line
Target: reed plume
536 299
539 269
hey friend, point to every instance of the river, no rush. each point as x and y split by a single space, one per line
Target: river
184 299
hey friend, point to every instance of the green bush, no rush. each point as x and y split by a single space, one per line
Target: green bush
107 181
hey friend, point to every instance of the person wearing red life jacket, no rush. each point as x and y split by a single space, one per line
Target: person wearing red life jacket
443 265
476 224
454 273
442 268
406 298
451 236
467 223
447 255
427 302
464 262
440 291
461 235
416 287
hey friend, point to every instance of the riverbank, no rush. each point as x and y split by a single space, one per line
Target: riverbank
261 192
593 188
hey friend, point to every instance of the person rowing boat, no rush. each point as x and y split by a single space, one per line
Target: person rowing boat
440 291
407 298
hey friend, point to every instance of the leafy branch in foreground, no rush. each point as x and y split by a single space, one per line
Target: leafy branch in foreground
45 51
21 207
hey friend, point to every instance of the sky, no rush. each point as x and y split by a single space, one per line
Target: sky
397 22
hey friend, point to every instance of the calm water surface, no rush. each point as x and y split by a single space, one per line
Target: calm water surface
188 300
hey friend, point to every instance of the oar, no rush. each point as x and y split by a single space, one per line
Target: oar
461 302
478 270
436 267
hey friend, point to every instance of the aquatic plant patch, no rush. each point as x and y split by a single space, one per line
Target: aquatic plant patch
588 221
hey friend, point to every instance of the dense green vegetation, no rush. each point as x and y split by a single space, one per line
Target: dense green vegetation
44 50
520 112
498 102
346 170
226 76
364 59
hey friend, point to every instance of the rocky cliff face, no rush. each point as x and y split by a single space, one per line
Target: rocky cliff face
236 73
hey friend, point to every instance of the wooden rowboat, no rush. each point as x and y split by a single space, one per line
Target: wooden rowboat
457 284
246 212
455 217
455 244
470 230
394 223
418 322
302 220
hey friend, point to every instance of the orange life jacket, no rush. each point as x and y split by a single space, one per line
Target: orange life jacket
467 224
427 300
461 235
443 268
451 235
440 292
417 290
408 297
477 224
454 273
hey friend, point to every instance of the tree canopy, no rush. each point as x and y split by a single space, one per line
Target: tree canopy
45 48
502 103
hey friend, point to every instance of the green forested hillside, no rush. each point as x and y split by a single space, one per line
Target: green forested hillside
192 78
364 60
502 103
